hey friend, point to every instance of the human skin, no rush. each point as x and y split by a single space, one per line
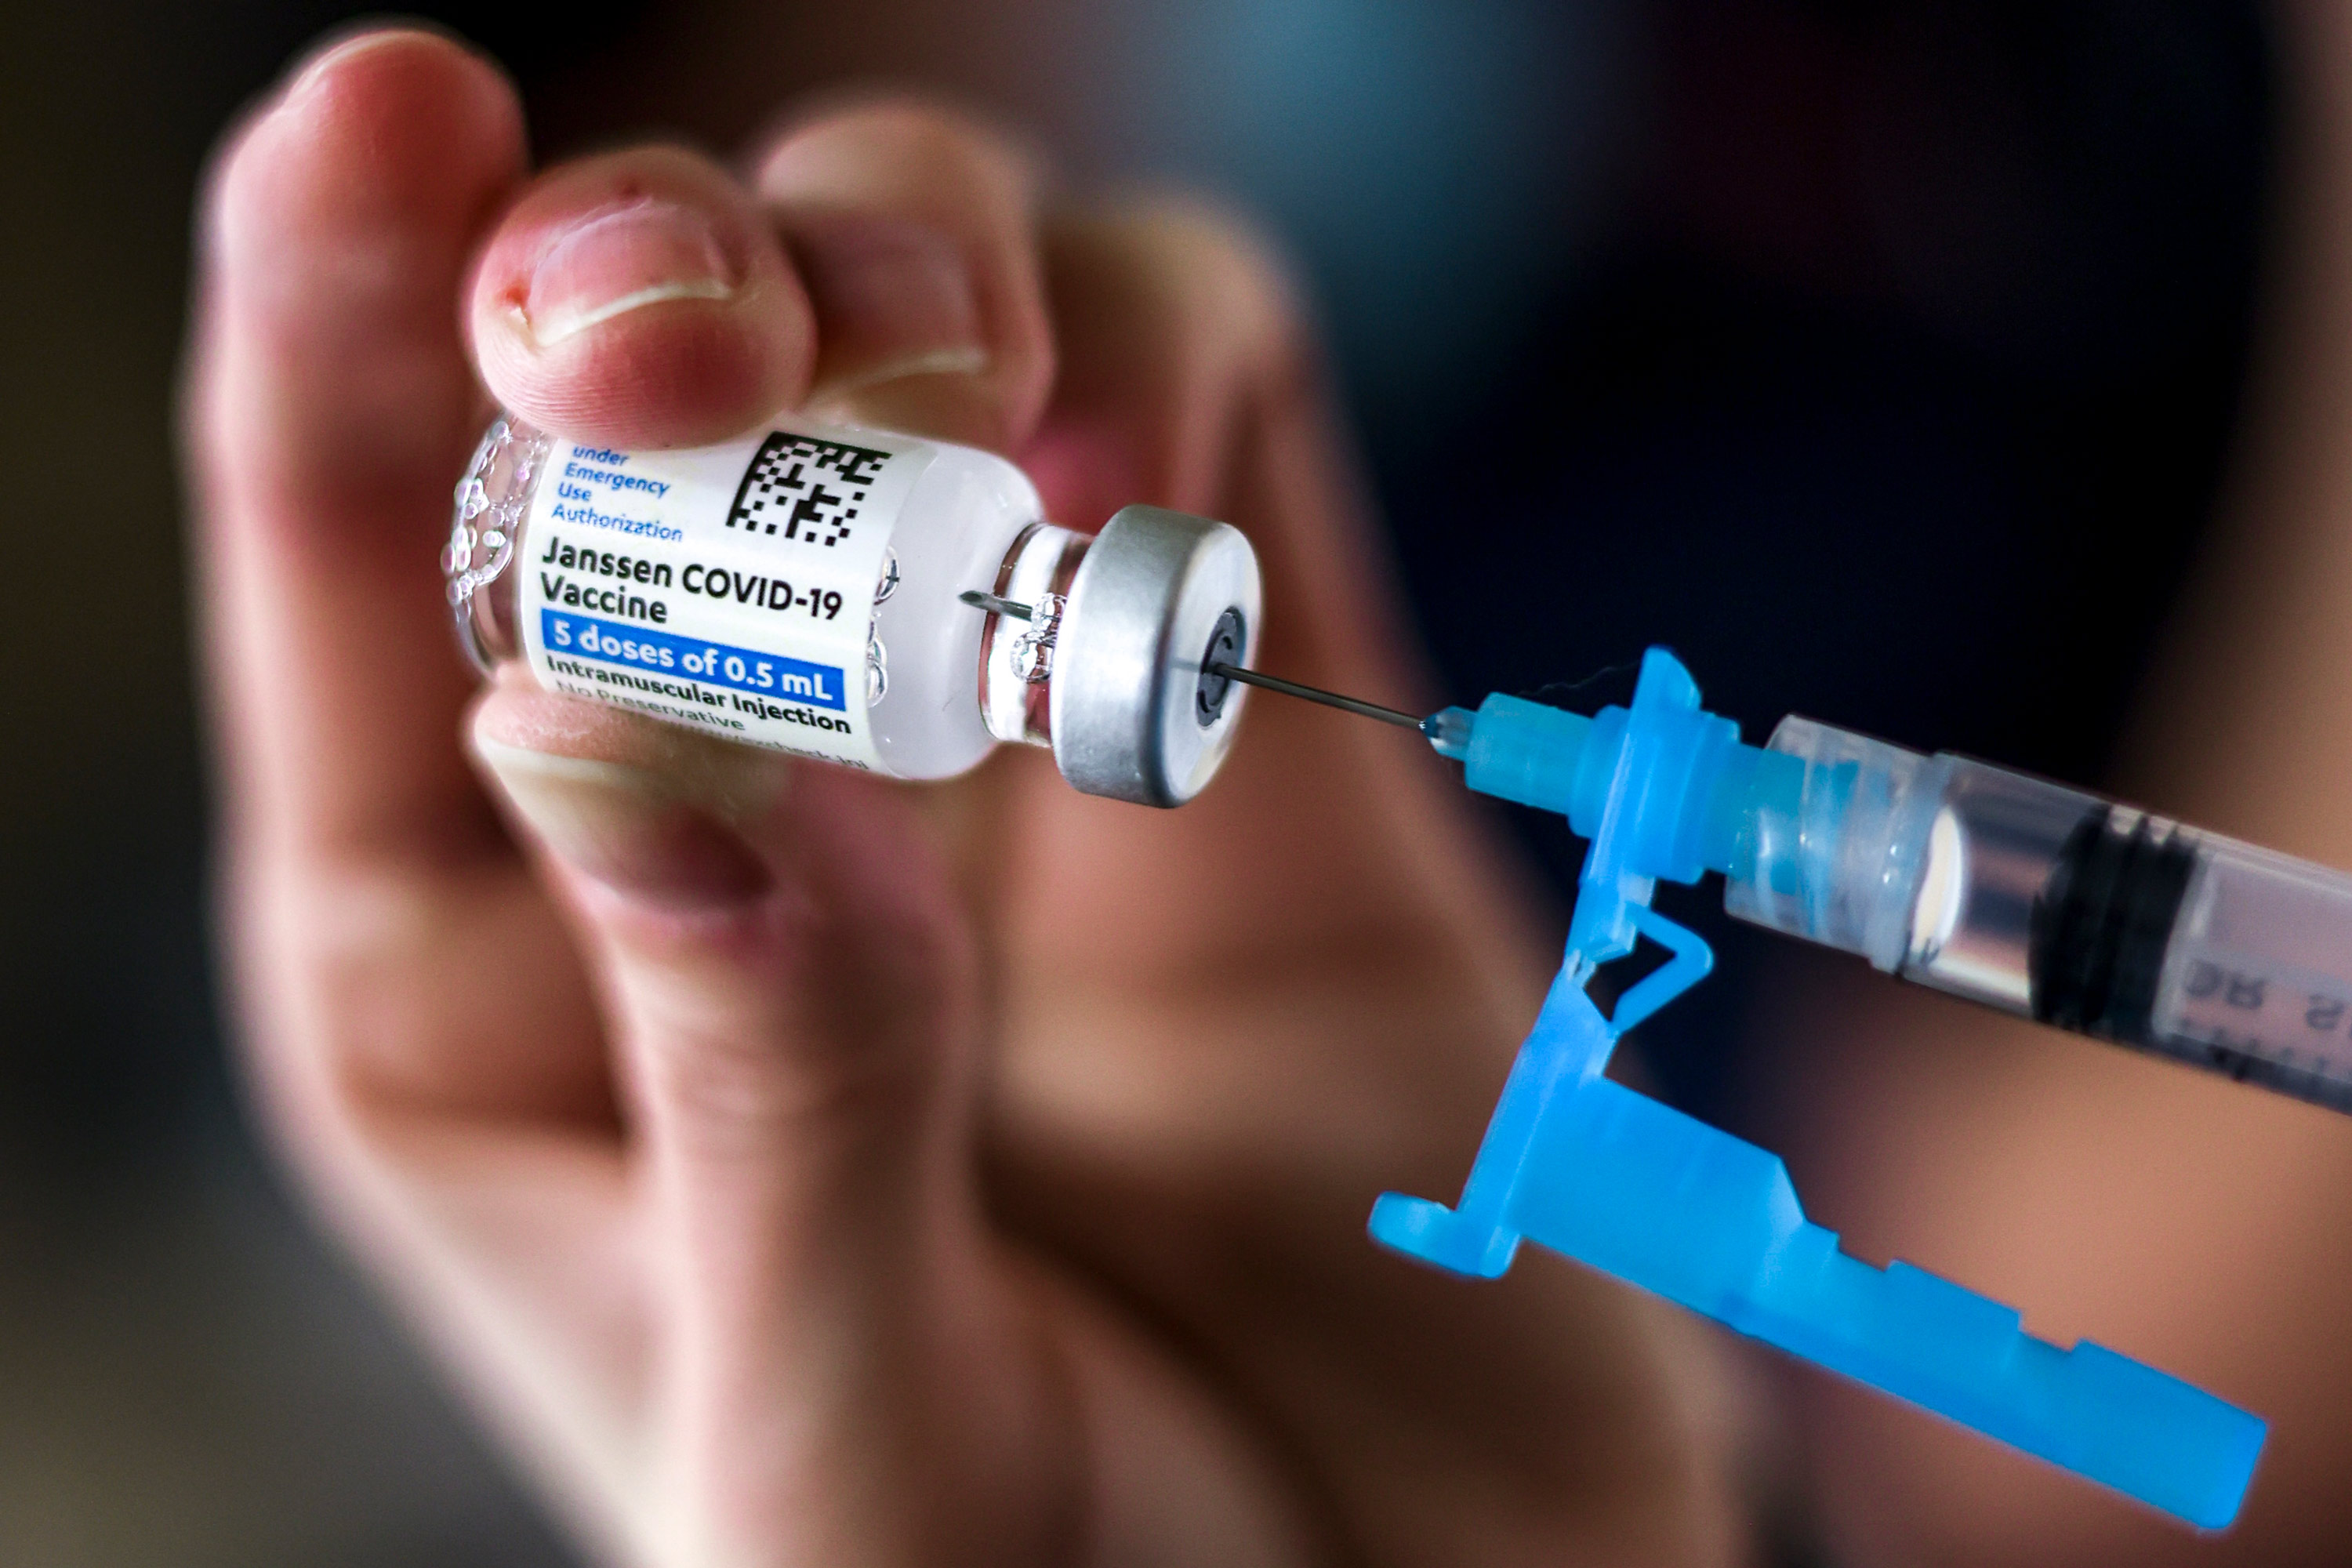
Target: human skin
796 1167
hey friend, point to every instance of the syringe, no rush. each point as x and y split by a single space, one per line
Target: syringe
2027 896
2031 897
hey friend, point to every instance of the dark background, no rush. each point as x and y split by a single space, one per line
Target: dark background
1881 358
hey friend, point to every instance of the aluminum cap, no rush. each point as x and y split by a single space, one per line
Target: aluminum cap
1159 595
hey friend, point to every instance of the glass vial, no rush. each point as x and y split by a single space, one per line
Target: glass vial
799 588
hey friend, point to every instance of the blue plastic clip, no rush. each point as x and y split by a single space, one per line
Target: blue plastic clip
1619 1182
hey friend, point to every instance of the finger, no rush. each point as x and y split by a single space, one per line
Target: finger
638 298
391 947
1172 321
1188 379
331 410
793 991
1327 864
914 231
1245 1018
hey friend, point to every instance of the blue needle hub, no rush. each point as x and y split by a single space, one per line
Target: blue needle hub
1622 1184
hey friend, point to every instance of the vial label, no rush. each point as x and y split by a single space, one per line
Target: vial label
730 587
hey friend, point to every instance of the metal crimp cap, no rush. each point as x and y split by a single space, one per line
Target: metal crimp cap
1159 595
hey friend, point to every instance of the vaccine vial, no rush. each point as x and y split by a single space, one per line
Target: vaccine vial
801 587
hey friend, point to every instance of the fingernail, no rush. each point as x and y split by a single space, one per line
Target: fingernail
314 75
622 259
632 828
894 298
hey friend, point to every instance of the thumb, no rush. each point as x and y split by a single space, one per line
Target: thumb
791 992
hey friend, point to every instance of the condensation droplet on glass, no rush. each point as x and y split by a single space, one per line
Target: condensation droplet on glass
878 657
1033 650
1033 658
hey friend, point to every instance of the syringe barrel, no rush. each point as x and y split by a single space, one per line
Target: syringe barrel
2052 903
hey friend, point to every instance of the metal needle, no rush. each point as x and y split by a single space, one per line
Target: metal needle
1315 694
980 601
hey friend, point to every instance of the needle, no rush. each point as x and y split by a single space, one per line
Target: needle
990 602
1315 694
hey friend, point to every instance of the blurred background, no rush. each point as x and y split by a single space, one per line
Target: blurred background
1879 355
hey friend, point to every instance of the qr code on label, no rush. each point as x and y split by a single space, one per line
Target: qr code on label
801 488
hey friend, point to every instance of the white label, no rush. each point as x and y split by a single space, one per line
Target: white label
732 587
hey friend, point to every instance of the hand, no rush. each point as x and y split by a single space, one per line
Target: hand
802 1168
